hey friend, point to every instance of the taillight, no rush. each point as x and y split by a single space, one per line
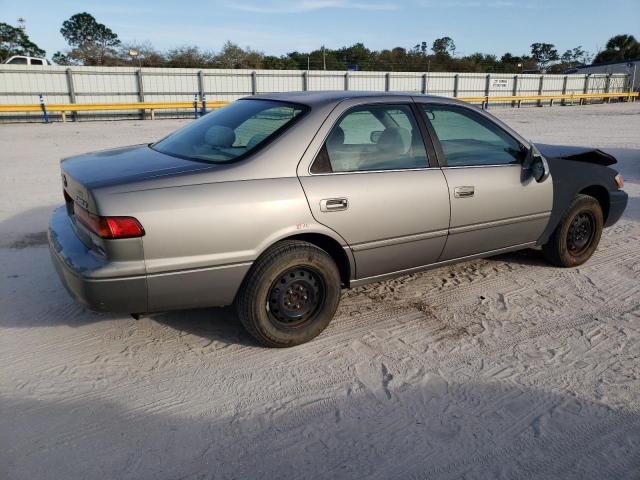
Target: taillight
619 181
110 227
123 227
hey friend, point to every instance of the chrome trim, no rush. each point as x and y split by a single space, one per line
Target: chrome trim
398 240
373 171
465 191
385 276
334 204
369 100
519 165
498 223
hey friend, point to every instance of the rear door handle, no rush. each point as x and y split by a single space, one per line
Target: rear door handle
464 192
333 204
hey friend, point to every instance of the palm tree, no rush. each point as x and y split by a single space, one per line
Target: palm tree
620 47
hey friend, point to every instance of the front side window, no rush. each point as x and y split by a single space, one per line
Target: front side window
230 132
373 137
18 61
467 138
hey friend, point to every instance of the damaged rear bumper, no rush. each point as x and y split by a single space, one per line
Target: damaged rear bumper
617 203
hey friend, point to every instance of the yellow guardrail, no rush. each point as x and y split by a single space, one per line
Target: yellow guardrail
572 97
152 106
64 108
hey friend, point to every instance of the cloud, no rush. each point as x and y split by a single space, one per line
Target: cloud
280 6
481 4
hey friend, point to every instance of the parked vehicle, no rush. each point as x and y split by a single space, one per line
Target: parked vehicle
276 202
24 60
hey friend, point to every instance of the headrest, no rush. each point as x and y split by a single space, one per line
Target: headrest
220 136
255 140
336 138
394 140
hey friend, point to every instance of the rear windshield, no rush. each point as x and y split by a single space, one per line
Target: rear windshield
230 132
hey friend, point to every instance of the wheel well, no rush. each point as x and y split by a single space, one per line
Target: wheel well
333 248
601 195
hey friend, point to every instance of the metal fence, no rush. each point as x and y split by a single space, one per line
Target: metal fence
87 85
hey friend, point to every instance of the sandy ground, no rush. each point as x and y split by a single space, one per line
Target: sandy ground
498 368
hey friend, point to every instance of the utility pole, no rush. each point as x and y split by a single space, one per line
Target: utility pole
307 63
324 59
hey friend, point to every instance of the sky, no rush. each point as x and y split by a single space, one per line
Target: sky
280 26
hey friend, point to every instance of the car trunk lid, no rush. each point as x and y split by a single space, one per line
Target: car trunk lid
125 165
82 175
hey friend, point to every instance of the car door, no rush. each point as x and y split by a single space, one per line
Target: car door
494 205
367 176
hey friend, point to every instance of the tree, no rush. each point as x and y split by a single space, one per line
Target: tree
233 56
284 62
421 48
356 54
147 55
93 42
189 57
444 46
62 59
620 47
575 56
544 54
15 41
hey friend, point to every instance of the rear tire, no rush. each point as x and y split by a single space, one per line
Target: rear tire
290 294
577 235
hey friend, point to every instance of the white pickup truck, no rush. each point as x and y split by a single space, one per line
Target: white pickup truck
24 60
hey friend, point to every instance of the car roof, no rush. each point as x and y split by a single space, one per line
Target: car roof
336 96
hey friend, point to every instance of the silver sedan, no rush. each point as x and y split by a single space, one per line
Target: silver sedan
276 202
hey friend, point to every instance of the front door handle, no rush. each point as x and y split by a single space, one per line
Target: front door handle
333 204
464 192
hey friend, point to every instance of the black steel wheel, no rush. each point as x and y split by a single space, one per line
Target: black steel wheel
290 294
296 296
577 235
580 233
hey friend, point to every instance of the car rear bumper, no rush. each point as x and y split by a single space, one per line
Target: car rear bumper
124 286
85 274
617 203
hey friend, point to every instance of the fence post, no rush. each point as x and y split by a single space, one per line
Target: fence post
72 92
140 90
254 83
514 91
607 86
424 83
487 91
200 83
564 88
305 81
387 81
540 89
456 85
346 80
586 87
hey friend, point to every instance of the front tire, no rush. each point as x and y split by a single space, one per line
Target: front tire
290 294
577 235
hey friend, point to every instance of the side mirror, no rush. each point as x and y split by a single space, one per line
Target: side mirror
536 165
375 136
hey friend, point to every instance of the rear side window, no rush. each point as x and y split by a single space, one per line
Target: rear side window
468 138
35 61
373 137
